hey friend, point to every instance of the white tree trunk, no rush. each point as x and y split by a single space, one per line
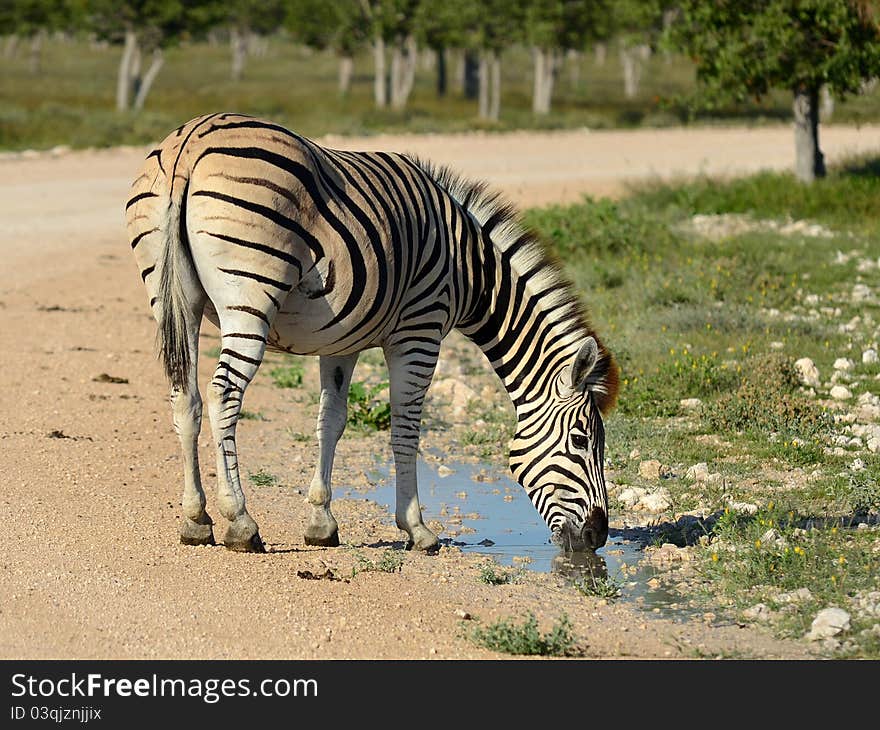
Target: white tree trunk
495 96
380 83
632 58
573 60
545 72
826 104
600 53
238 40
484 85
124 77
149 78
346 66
11 46
404 59
459 71
809 160
36 53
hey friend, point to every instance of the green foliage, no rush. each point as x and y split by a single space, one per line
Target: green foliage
288 376
390 562
766 402
365 412
743 48
492 575
599 586
263 479
251 416
510 637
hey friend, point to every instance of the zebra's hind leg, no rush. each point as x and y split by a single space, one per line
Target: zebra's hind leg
186 408
332 414
243 342
410 366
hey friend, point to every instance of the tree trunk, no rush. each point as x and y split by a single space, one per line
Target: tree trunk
484 85
460 72
573 59
36 54
404 59
124 77
471 74
11 46
441 71
545 72
346 65
600 53
631 58
380 82
826 104
809 161
238 40
495 96
149 77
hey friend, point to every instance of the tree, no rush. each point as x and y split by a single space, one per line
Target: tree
33 20
243 19
393 22
441 25
145 28
744 48
341 26
498 24
637 25
553 27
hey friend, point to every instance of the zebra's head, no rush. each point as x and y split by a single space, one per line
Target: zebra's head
558 451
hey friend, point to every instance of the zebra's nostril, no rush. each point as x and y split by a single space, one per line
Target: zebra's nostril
595 530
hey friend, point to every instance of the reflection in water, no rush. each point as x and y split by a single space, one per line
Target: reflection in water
585 565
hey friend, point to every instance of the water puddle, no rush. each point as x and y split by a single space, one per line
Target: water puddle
486 512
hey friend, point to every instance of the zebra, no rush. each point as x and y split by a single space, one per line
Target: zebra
287 245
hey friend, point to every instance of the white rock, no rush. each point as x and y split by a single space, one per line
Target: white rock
456 393
868 399
698 472
857 465
808 372
797 596
873 444
444 471
828 622
658 501
776 345
870 357
631 496
844 363
811 300
746 507
841 392
861 292
758 612
635 453
649 469
690 404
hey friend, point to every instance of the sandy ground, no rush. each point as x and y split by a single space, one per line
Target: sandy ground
90 565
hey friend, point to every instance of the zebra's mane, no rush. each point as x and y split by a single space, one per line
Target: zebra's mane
488 206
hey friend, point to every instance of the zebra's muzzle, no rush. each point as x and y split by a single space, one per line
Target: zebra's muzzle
591 535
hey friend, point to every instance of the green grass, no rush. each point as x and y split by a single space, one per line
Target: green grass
263 478
599 586
72 101
288 376
391 561
510 637
492 575
722 320
251 415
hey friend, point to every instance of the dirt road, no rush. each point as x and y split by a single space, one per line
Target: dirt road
90 565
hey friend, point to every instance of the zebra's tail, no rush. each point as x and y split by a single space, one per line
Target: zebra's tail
178 274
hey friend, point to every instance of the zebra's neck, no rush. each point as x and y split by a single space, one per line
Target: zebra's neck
525 319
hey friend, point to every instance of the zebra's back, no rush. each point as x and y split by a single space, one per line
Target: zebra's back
340 246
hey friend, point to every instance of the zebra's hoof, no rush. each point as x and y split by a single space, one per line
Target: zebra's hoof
329 541
322 529
423 540
196 533
243 536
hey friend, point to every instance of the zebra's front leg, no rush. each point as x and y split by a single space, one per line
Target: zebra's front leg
241 354
410 366
332 415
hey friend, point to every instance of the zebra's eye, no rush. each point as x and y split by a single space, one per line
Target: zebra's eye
580 441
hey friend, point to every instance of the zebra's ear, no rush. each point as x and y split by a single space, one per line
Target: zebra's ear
584 362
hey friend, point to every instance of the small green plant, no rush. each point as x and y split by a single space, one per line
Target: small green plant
364 411
263 478
251 416
510 637
599 586
390 562
288 376
212 352
493 576
299 436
